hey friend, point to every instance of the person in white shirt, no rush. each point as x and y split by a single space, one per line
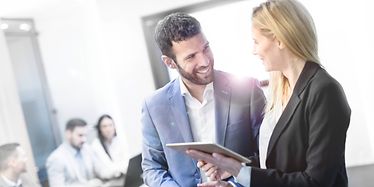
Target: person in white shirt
109 148
12 165
73 163
201 105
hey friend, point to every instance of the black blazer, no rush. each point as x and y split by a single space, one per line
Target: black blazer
307 145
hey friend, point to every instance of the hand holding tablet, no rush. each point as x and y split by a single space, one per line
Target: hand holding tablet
209 148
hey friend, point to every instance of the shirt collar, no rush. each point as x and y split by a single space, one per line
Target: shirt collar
11 183
71 149
184 91
183 88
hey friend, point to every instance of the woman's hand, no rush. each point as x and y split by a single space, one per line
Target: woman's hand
212 171
215 184
219 162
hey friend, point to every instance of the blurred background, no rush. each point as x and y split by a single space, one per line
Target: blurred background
61 59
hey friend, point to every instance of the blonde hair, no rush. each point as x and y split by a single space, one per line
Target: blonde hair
289 22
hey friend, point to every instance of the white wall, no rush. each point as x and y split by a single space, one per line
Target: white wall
79 81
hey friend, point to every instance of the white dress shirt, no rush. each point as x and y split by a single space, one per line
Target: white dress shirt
266 130
117 164
64 169
10 183
201 115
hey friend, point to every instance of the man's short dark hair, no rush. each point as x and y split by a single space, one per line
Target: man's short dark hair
6 150
175 27
76 122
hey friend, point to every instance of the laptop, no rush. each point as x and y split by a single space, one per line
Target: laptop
134 172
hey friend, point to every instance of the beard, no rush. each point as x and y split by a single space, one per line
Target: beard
197 78
78 147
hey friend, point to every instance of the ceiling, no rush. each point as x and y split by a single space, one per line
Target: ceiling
12 8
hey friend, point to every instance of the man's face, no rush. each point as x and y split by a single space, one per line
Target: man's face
77 137
194 60
18 161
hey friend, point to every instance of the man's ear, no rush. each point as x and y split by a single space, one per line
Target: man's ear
11 162
68 134
169 62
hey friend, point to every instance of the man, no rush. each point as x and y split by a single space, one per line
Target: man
12 166
201 105
73 162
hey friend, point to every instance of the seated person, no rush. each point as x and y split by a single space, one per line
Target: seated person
109 148
73 162
12 166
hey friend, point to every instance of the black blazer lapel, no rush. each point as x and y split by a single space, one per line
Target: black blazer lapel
306 75
178 109
283 121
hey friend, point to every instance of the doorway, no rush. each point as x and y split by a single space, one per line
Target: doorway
37 107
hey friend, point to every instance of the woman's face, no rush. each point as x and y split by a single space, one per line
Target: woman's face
267 49
107 128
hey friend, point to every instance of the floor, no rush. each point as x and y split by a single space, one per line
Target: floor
361 176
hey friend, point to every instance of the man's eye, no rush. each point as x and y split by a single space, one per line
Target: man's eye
190 57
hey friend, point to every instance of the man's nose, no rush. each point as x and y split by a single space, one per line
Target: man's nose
204 60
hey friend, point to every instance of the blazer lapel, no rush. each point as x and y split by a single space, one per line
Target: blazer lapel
178 109
306 75
222 94
283 121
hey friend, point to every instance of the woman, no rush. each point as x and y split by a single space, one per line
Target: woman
302 138
109 148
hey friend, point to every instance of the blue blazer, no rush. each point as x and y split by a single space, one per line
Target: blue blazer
238 109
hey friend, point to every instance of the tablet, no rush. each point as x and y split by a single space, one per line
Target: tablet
209 148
